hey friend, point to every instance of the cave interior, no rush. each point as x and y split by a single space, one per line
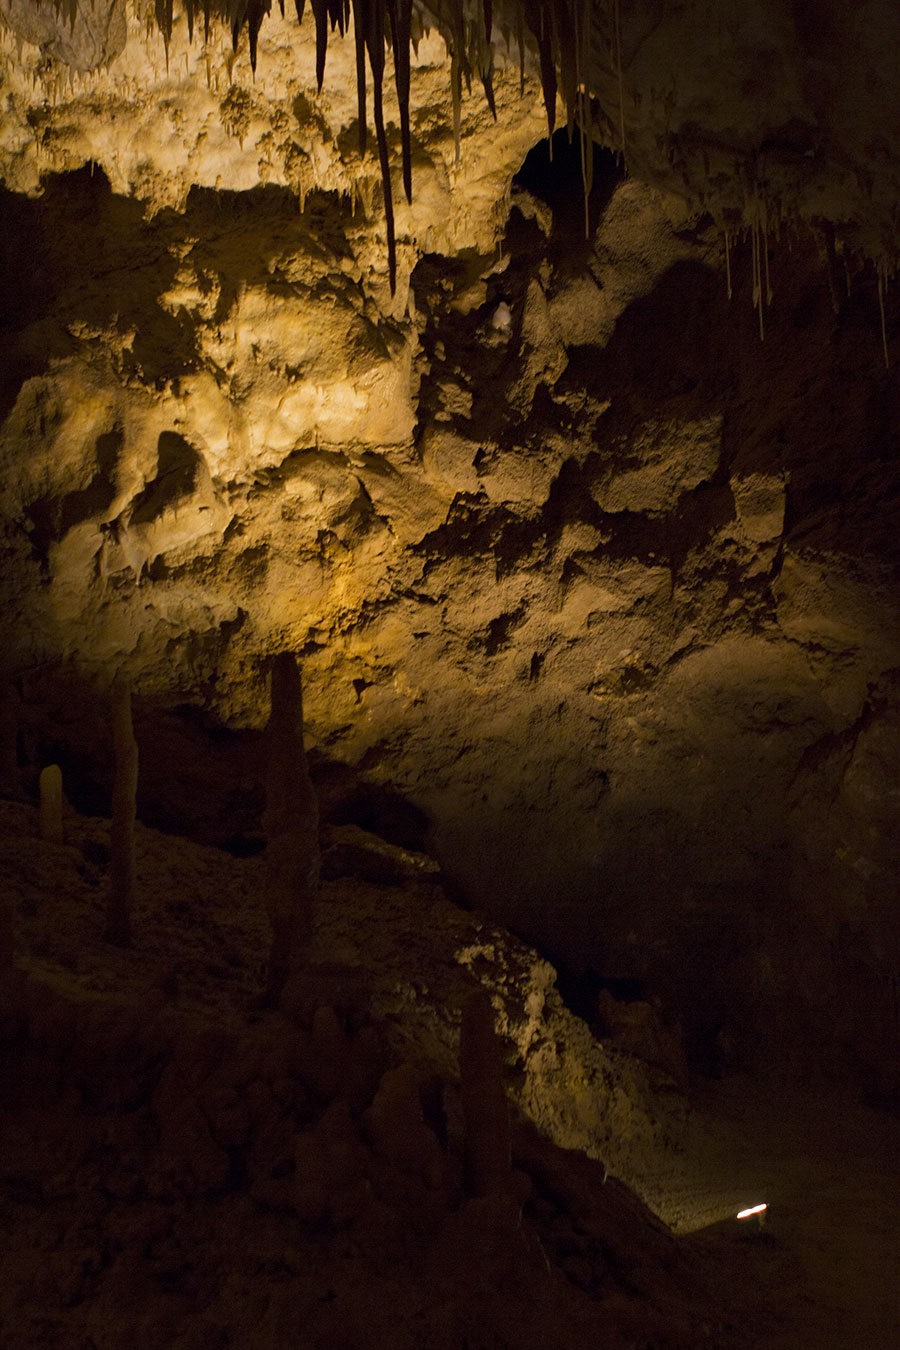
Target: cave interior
450 688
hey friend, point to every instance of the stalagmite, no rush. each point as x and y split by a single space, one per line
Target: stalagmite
9 734
121 860
51 792
728 264
6 931
488 1169
881 271
398 1130
292 828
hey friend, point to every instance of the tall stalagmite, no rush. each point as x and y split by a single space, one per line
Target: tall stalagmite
51 790
9 732
121 861
6 933
488 1166
292 828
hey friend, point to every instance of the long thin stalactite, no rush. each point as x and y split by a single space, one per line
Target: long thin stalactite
566 34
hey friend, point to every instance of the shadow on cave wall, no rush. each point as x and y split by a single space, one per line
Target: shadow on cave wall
811 407
812 403
54 249
80 259
553 173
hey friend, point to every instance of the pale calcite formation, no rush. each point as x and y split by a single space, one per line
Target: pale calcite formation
162 119
765 113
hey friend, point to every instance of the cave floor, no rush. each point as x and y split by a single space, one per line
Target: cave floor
821 1272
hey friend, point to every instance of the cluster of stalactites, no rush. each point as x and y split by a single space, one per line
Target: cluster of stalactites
576 41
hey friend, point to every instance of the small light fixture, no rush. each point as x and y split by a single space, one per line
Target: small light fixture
755 1209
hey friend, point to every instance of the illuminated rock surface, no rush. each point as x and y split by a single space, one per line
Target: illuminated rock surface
595 592
608 593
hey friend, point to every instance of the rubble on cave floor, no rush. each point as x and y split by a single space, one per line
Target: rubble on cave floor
181 1167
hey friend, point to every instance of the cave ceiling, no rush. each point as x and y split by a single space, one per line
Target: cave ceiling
588 544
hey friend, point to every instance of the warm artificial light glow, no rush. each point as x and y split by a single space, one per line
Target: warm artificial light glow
757 1209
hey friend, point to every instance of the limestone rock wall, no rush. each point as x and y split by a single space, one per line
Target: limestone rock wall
597 579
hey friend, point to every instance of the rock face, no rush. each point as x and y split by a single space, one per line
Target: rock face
601 582
91 36
161 1138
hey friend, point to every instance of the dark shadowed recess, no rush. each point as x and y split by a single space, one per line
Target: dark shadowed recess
811 406
81 257
177 467
197 778
812 403
553 172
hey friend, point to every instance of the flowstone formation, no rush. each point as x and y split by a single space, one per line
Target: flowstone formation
599 581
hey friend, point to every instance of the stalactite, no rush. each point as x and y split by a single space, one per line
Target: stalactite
756 214
832 266
292 828
758 293
51 804
400 13
375 48
459 67
548 69
485 53
359 36
124 809
320 15
566 33
561 30
565 53
163 10
456 100
617 30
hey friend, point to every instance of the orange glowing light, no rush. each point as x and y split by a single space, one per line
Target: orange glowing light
757 1209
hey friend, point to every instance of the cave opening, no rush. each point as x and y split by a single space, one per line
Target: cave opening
553 172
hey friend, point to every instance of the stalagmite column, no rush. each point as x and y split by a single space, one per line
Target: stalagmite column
9 782
121 843
9 731
6 932
292 828
488 1166
51 793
